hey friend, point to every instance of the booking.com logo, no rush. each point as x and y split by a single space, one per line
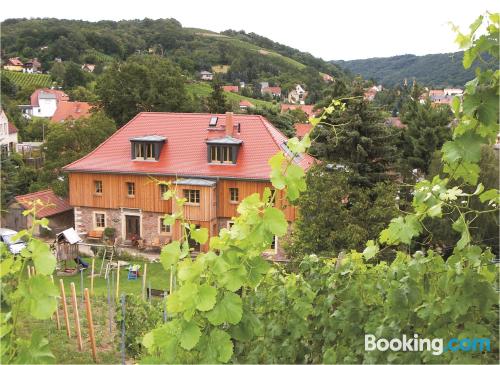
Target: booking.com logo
435 345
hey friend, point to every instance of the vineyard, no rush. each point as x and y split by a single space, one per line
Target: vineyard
25 80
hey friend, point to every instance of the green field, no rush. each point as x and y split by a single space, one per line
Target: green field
25 80
203 89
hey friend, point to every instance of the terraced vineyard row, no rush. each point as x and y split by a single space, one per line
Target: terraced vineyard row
26 80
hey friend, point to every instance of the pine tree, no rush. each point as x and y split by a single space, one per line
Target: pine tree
360 141
217 102
427 130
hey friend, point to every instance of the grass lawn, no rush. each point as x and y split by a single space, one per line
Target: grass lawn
156 277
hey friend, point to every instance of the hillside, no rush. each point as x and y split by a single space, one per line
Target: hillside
436 70
247 57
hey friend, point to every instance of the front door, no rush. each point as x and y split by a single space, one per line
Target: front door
132 226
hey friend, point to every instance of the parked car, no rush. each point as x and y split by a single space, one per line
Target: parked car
6 236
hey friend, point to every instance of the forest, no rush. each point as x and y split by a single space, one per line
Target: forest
434 70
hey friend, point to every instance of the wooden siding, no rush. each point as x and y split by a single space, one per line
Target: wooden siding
213 202
114 195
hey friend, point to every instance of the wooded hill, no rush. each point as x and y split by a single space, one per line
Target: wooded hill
251 58
433 70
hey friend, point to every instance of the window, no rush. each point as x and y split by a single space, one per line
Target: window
230 224
233 195
150 151
163 190
138 150
130 189
100 220
272 198
221 154
98 187
164 228
274 243
192 196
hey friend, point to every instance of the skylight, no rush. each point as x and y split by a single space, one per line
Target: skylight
213 121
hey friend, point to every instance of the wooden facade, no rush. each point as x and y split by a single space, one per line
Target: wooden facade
214 201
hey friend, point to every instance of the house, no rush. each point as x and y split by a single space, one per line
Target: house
301 129
297 95
445 96
56 209
8 135
230 88
395 122
54 104
43 103
71 110
326 77
263 85
371 92
245 104
88 67
274 91
453 92
32 66
13 64
207 76
211 160
308 109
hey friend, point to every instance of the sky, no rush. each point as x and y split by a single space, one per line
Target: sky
330 29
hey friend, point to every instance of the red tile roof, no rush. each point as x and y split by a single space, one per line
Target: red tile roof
60 95
302 128
436 92
246 103
308 109
14 61
12 128
55 204
395 122
275 90
71 110
230 88
185 152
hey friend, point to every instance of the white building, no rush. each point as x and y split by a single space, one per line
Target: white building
44 103
207 76
8 135
453 92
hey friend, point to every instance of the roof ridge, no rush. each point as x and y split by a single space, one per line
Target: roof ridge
35 193
266 122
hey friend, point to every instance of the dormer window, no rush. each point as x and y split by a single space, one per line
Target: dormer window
147 148
223 150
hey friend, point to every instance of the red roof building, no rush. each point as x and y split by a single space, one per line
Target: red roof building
71 110
308 109
59 95
245 104
302 128
212 160
53 204
273 90
230 88
12 128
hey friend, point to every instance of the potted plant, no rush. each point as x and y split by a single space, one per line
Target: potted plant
109 233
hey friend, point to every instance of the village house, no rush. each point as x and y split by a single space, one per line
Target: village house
297 95
245 104
230 88
206 76
32 66
274 91
54 104
13 64
326 77
213 161
8 135
88 67
371 92
308 109
55 208
301 129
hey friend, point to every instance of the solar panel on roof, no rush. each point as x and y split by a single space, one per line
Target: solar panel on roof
213 121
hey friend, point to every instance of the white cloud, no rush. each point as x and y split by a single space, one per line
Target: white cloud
329 29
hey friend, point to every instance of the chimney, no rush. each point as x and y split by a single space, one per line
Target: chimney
229 124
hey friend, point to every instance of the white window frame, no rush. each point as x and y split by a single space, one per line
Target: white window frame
237 193
94 220
169 233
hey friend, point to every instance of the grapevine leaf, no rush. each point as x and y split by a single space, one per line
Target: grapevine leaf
223 344
275 221
170 254
206 297
488 195
371 250
200 235
41 296
228 310
460 225
190 335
